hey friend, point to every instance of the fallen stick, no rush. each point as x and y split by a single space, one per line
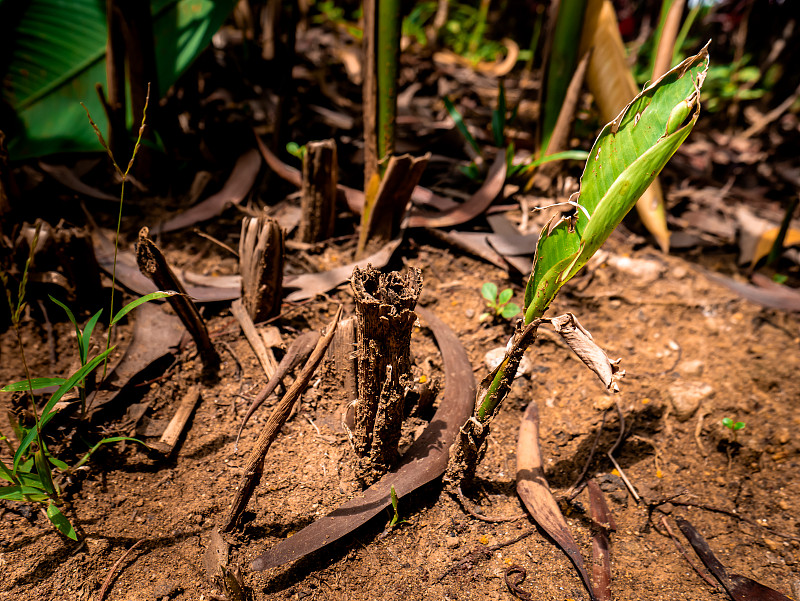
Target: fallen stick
172 433
255 462
265 356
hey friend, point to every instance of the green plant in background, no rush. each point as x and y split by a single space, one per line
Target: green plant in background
732 426
297 151
499 303
56 54
627 155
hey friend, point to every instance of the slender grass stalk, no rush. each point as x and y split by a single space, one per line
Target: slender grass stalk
16 313
124 176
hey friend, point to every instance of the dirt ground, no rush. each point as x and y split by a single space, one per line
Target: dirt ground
673 328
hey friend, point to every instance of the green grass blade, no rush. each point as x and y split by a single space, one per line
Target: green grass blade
88 454
71 318
140 301
45 475
628 154
499 116
61 522
47 412
21 493
35 383
462 127
87 335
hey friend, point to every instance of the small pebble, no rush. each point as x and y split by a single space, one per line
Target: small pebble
451 542
691 369
686 397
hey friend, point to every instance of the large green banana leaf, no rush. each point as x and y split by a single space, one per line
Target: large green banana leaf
626 157
54 53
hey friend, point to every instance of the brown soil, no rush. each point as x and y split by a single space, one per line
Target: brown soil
675 332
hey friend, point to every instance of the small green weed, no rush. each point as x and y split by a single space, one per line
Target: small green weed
395 521
499 303
734 427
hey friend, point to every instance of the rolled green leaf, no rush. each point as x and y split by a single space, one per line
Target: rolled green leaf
627 156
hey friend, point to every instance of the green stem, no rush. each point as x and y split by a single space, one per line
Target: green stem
388 52
480 26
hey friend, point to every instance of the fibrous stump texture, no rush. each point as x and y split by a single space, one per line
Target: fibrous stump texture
385 316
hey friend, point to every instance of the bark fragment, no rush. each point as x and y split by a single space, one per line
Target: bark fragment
261 248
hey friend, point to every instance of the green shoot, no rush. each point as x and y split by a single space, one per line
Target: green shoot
499 303
732 426
297 151
395 521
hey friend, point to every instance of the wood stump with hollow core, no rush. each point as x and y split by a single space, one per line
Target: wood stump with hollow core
261 253
318 192
385 316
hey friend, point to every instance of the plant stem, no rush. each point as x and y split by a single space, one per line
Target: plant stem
388 51
124 176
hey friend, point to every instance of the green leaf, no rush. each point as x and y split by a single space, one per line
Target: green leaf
738 426
499 116
21 493
505 296
627 156
489 292
58 463
462 127
55 54
72 319
61 522
727 422
140 301
35 383
43 469
85 458
48 413
86 338
510 310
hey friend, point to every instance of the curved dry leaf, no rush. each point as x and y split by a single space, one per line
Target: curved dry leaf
535 493
424 461
233 192
474 206
310 285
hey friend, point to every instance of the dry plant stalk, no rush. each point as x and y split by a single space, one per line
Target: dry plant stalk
318 192
153 265
254 466
261 248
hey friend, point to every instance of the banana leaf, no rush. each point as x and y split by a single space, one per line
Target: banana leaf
626 157
56 53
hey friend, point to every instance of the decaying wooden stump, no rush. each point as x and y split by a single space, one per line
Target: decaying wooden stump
261 247
385 317
318 192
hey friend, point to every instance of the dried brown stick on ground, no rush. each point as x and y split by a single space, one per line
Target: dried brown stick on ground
318 192
261 254
603 523
264 353
166 444
153 265
254 466
298 352
424 461
535 493
740 588
385 316
384 211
